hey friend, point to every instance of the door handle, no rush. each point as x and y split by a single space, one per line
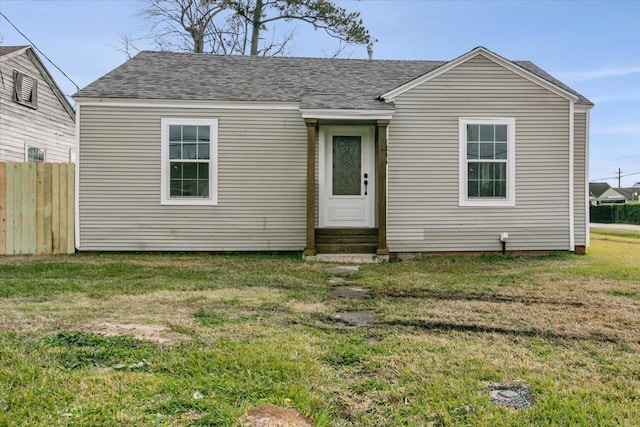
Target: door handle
366 175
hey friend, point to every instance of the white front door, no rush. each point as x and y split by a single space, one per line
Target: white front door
346 176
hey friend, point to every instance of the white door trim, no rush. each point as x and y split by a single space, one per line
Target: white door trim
325 198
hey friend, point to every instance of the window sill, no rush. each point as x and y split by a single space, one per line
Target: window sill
189 202
488 203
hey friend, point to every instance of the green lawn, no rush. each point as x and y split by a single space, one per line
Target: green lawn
175 340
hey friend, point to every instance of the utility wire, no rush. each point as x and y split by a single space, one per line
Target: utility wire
39 51
616 177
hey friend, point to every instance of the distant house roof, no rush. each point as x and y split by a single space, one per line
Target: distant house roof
629 193
313 82
596 189
7 52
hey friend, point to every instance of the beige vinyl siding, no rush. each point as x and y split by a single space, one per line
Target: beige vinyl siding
423 212
261 191
580 191
49 126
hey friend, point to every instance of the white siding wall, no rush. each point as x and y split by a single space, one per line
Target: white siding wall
580 191
49 127
423 164
262 183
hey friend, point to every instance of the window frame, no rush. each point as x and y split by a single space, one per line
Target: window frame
165 191
510 197
18 83
33 147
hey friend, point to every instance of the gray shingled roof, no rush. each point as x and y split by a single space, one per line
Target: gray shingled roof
597 188
314 82
4 50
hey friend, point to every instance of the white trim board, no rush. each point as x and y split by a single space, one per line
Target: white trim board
343 114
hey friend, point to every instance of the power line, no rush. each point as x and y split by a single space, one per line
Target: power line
39 51
616 176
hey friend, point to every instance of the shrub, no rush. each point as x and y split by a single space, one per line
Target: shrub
615 214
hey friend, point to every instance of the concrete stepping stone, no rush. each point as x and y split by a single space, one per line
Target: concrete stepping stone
337 280
356 319
345 269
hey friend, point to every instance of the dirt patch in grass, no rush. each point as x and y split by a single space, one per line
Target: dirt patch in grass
150 332
274 416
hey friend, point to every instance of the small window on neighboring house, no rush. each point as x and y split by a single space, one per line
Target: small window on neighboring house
487 162
25 89
35 155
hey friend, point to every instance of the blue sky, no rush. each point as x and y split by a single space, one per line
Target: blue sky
593 46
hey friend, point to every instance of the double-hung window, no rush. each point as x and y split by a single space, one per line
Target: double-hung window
189 162
35 155
487 161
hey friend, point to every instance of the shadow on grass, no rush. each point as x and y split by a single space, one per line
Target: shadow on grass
474 328
473 296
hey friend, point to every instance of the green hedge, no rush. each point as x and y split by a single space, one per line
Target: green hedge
615 214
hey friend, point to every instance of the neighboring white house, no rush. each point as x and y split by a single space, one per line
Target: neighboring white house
37 123
225 153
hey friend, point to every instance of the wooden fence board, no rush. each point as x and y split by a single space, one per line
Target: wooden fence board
55 207
63 209
37 208
40 246
9 173
3 208
48 224
71 208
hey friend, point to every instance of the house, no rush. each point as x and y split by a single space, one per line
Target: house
601 192
37 122
630 194
200 152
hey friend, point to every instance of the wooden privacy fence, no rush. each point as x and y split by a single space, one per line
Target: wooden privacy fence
37 208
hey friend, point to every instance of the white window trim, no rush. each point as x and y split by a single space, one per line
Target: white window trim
165 198
510 200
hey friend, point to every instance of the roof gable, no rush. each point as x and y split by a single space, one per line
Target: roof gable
526 72
9 52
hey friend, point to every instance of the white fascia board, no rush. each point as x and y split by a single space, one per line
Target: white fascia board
389 96
194 104
347 114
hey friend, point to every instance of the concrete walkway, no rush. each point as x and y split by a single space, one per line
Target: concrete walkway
619 227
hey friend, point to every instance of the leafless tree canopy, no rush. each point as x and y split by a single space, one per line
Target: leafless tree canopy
245 27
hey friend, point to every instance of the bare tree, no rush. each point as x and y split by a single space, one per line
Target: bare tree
237 27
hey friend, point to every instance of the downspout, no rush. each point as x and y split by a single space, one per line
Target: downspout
572 238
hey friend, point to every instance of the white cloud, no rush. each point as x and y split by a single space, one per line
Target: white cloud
583 76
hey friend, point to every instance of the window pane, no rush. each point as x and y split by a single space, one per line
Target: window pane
486 150
472 150
189 133
346 166
176 188
203 171
501 171
203 151
189 151
486 189
189 187
175 151
176 170
473 133
501 189
501 133
472 186
203 189
203 133
175 133
485 171
472 171
486 133
190 170
501 150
